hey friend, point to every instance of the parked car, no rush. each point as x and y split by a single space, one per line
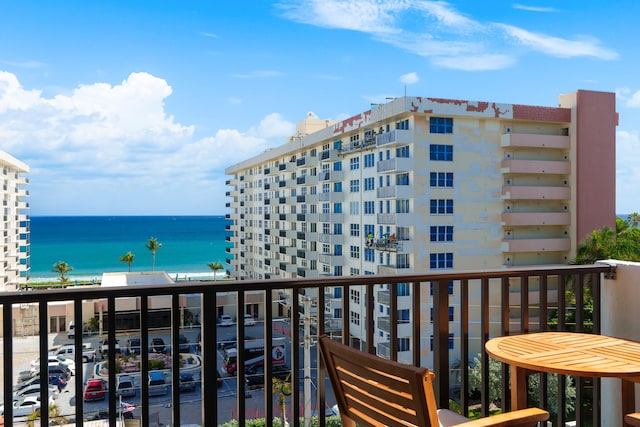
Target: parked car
34 390
54 379
226 320
157 384
55 360
95 389
68 352
185 345
104 347
125 387
71 330
158 345
254 376
187 382
249 320
24 406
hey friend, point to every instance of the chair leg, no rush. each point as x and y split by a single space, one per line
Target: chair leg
347 422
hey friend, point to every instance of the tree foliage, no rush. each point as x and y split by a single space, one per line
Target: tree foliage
153 245
622 244
215 266
533 385
62 268
128 258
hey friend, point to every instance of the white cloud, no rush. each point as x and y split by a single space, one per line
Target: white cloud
627 171
559 47
634 100
409 78
533 8
475 62
436 29
113 149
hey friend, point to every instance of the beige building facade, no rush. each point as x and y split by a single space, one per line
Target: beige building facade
419 185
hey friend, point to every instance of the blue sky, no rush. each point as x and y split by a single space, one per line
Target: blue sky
137 107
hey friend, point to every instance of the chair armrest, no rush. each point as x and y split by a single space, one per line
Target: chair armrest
632 419
523 417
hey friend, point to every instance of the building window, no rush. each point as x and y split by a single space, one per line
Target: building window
337 208
337 313
337 166
354 208
403 151
354 271
441 125
402 206
354 185
441 152
337 249
402 124
369 208
337 228
355 296
326 208
441 206
326 187
337 187
442 233
369 160
326 228
369 184
326 248
337 270
402 179
403 344
355 318
369 255
440 261
441 179
355 252
354 230
354 163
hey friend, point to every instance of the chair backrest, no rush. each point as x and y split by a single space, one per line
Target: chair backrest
372 391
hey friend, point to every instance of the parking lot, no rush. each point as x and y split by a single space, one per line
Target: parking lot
160 406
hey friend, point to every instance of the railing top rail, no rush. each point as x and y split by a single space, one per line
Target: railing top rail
94 292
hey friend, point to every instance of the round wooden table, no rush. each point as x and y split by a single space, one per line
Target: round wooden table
568 353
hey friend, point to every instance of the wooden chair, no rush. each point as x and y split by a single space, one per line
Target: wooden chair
372 391
632 419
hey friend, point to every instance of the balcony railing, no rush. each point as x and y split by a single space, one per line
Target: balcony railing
485 304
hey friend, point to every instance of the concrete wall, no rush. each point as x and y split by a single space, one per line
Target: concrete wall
620 318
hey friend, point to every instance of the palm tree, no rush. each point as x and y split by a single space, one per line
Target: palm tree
128 258
153 245
634 219
215 266
62 268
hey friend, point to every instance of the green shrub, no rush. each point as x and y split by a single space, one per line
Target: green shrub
332 421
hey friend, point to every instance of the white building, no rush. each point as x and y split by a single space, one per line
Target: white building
420 184
15 246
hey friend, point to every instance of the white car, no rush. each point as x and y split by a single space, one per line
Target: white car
249 320
23 406
34 390
55 360
226 320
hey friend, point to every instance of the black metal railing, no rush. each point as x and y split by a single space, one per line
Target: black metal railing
422 331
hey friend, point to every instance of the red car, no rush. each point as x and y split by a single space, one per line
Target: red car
95 390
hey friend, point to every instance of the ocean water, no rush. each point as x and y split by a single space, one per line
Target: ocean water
93 245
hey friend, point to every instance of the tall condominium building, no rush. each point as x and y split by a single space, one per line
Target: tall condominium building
15 263
421 184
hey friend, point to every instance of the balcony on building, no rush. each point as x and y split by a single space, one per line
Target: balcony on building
394 269
555 167
396 164
394 138
395 191
562 244
535 218
531 140
433 342
513 192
